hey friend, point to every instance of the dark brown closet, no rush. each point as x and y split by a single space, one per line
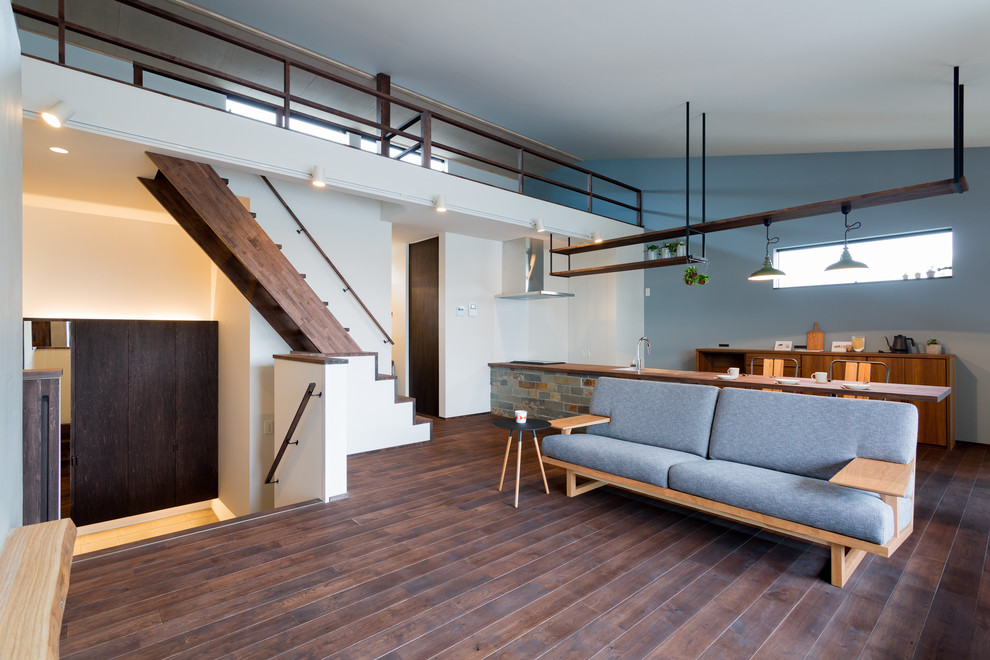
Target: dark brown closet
144 416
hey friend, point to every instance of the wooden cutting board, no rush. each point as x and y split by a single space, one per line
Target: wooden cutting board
816 339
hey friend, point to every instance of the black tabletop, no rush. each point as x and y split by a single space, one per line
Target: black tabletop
529 425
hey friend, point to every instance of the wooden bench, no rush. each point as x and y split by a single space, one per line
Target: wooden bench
34 579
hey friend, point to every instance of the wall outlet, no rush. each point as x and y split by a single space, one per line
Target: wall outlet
269 427
647 292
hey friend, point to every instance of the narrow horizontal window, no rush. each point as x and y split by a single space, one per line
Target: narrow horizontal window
251 111
918 255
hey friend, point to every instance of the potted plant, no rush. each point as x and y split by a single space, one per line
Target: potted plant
930 272
933 347
652 252
671 247
693 278
681 249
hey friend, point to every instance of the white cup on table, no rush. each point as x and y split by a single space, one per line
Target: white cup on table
733 371
820 377
520 417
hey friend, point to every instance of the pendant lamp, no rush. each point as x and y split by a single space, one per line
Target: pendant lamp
767 271
846 261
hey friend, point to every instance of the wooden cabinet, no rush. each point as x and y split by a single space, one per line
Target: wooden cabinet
144 417
936 421
41 447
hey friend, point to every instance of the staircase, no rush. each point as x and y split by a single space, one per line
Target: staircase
202 204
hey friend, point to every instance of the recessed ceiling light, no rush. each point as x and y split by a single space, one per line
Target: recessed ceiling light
58 150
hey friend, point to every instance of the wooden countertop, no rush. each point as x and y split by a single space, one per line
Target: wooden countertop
896 391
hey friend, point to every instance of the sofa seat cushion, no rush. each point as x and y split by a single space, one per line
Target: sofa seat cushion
625 459
804 500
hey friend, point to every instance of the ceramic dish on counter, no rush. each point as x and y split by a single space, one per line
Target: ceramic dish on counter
725 377
786 381
853 385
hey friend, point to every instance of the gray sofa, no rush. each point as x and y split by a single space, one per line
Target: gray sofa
836 471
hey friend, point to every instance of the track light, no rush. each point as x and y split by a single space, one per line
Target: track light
767 271
846 261
538 225
318 175
58 114
596 237
440 203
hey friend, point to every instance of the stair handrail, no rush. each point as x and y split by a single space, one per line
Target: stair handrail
288 435
347 287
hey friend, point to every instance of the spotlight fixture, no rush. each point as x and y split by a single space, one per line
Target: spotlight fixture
58 114
767 271
58 150
318 175
538 225
596 237
846 261
440 203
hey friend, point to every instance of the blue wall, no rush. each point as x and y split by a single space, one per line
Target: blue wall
733 310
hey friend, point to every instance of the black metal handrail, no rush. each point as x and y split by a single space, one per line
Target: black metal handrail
288 435
283 99
347 287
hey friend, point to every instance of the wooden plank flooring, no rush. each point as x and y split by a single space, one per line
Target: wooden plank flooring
427 559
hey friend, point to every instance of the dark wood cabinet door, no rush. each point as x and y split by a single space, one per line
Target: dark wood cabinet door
151 378
99 421
196 412
424 325
144 417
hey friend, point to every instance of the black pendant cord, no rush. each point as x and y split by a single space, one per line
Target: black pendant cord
770 241
849 227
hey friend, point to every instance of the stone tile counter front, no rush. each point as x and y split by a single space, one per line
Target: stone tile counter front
542 394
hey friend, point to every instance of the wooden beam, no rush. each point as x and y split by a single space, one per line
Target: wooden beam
632 265
868 200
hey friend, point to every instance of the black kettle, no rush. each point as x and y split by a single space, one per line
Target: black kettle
901 344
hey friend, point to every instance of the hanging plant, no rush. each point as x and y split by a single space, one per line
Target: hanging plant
693 278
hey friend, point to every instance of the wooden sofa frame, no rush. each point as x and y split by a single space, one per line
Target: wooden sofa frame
889 480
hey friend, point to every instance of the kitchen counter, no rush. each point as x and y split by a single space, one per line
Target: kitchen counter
558 390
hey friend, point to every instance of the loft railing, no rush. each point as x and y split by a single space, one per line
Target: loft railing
265 78
347 287
270 479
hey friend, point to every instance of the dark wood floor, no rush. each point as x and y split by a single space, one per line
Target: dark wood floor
425 558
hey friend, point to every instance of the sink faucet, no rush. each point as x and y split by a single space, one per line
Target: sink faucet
649 351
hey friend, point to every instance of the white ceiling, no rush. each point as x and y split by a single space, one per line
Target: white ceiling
609 79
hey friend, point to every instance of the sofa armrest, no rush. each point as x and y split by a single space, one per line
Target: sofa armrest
566 424
875 476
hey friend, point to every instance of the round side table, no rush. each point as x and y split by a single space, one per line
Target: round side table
511 425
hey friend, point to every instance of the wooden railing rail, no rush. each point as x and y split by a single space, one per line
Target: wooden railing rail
347 287
281 101
270 479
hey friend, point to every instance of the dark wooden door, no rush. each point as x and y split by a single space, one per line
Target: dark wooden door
196 413
151 378
424 325
99 421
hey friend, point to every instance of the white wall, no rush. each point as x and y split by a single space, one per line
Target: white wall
10 275
400 307
470 273
81 265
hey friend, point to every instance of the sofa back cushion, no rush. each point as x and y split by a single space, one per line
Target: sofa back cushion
670 415
813 436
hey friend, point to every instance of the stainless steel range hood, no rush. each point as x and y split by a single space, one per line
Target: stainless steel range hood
522 271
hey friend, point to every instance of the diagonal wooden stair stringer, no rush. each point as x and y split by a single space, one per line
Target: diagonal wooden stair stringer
199 200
